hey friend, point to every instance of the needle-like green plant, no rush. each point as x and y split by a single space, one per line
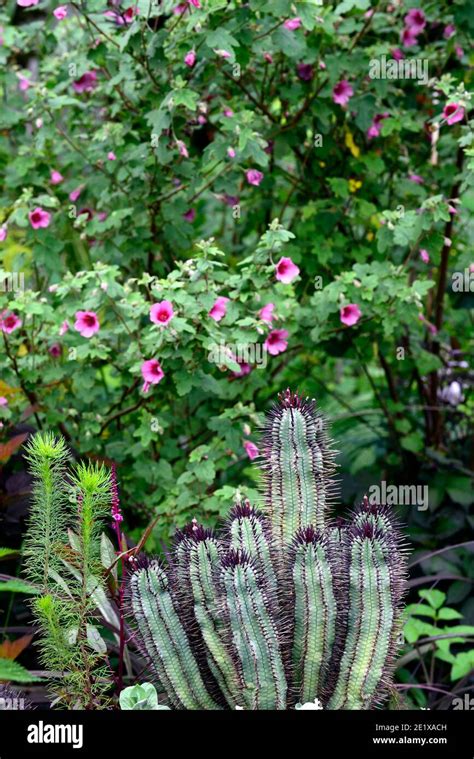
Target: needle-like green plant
287 604
62 559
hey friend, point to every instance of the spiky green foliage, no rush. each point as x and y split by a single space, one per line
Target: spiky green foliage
68 507
47 458
286 605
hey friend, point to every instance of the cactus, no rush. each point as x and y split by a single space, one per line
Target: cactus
287 604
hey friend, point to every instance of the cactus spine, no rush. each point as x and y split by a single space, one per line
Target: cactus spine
287 604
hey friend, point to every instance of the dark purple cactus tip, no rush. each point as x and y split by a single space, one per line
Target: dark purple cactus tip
306 536
365 530
242 510
289 399
369 508
193 531
139 563
235 558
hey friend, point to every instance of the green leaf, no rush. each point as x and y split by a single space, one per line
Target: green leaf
18 586
427 362
463 664
422 610
5 552
460 490
434 597
140 697
447 613
13 672
413 442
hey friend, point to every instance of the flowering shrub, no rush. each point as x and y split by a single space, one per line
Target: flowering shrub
141 133
210 201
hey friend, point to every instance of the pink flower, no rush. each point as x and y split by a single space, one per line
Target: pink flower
152 373
449 30
129 14
251 449
228 113
60 12
342 92
292 23
397 54
276 342
39 218
453 112
3 401
222 54
3 233
268 57
111 156
87 323
75 193
219 309
190 215
350 314
196 3
190 58
182 149
376 126
286 270
26 3
9 322
408 37
416 179
56 177
254 176
86 83
231 152
459 51
162 313
64 328
55 350
24 82
415 20
244 368
266 313
424 255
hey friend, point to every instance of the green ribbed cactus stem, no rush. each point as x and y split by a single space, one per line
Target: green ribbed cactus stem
205 555
374 590
315 613
250 533
164 639
254 635
298 467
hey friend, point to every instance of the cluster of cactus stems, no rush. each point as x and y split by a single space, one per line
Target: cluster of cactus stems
285 604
